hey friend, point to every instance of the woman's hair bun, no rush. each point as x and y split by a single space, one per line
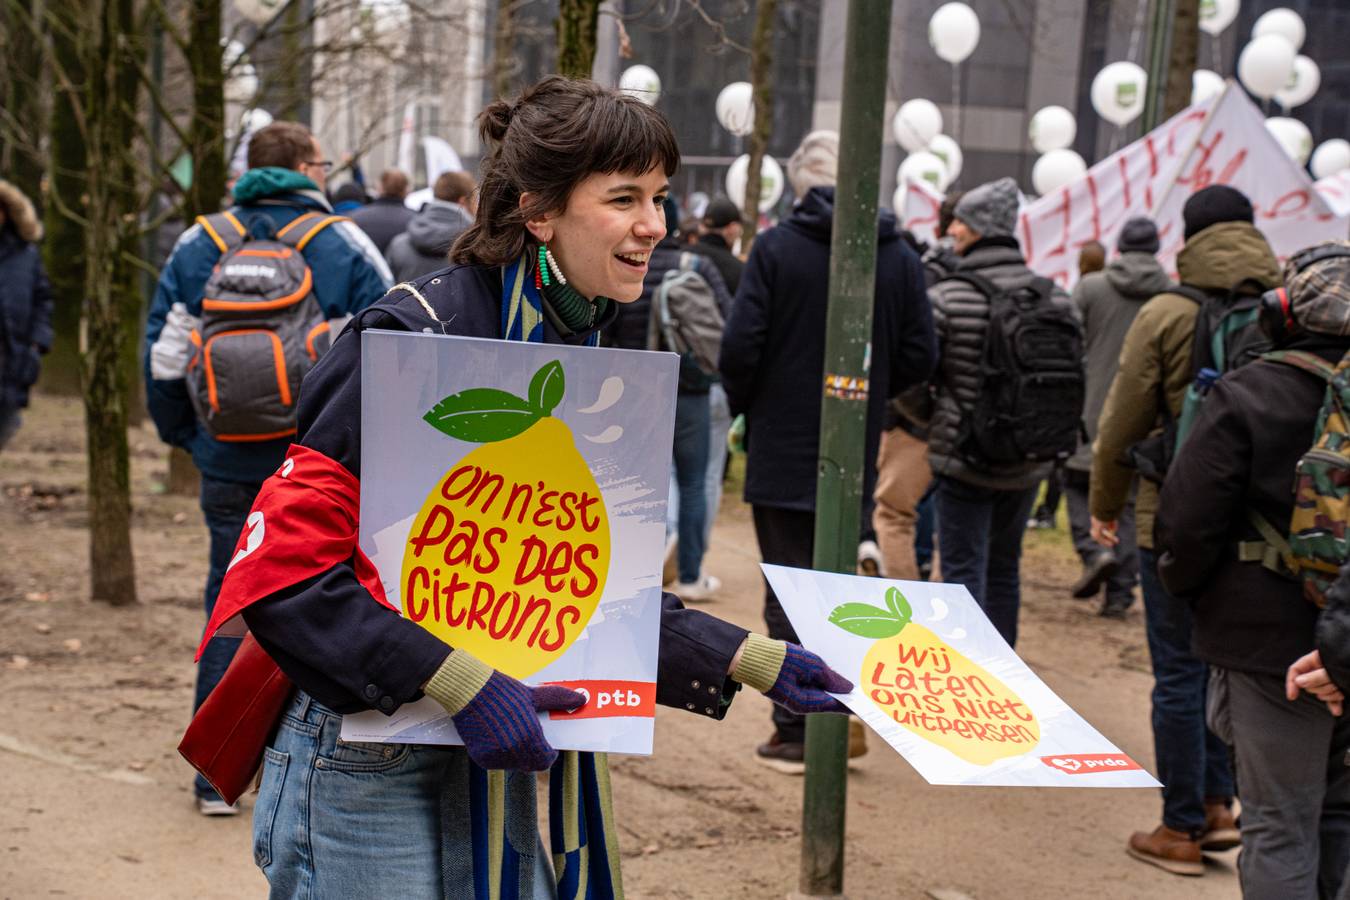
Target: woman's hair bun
495 119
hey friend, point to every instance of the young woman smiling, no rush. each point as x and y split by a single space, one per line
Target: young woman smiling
571 205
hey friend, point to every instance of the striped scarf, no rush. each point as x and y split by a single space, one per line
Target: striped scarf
500 815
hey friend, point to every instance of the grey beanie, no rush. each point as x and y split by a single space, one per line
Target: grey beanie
990 209
1139 234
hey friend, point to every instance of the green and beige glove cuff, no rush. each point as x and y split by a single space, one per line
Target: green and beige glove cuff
457 681
760 663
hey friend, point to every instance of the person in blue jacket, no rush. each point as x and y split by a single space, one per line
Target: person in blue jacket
285 180
772 363
577 173
25 306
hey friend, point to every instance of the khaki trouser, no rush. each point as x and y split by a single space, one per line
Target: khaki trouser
903 475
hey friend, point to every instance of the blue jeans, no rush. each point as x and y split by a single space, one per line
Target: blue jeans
1193 764
225 505
692 414
719 425
980 537
351 819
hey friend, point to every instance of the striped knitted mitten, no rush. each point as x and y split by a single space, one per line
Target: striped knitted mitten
791 676
496 715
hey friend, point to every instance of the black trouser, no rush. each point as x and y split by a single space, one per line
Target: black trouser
786 538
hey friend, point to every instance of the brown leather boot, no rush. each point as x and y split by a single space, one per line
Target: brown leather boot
1221 831
1171 851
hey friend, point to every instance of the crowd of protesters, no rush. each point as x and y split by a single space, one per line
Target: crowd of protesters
1179 482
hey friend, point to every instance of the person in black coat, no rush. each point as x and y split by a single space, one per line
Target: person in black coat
385 216
772 364
25 306
1251 620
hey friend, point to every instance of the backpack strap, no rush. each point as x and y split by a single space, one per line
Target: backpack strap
1301 359
1272 551
224 229
1190 292
302 229
688 262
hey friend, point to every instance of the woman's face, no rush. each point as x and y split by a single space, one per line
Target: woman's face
603 239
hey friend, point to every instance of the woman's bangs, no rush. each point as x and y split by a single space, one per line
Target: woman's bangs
631 137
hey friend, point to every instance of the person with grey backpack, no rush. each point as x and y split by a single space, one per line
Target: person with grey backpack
682 309
247 303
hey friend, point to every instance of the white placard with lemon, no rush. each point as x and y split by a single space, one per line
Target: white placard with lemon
934 679
513 499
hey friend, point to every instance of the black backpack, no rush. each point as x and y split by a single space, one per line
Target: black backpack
1031 387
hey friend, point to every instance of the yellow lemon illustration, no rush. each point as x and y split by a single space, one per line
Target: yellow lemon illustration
508 556
934 691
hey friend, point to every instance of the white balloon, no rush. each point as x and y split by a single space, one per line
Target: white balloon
1118 92
641 82
924 166
1266 65
230 51
1284 22
1216 15
1303 83
1052 128
254 119
1056 169
916 123
736 108
259 12
1293 136
954 30
947 150
1205 85
771 181
1330 157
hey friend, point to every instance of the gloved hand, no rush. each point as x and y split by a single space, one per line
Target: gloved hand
791 676
496 715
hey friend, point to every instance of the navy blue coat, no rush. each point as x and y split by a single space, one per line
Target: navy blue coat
773 350
26 307
341 646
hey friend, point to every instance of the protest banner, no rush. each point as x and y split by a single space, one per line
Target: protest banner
1221 141
513 500
938 683
918 203
1335 190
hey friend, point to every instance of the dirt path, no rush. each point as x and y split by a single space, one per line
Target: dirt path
96 802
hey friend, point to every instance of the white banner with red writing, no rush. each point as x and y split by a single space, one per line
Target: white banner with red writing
934 679
513 499
1222 141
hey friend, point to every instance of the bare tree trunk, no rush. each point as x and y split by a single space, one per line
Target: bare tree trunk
576 25
63 248
761 80
1182 60
207 131
112 308
503 36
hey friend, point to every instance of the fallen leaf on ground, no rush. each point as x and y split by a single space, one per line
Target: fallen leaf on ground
72 644
37 597
42 628
18 662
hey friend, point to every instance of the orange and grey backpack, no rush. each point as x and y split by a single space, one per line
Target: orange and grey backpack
261 331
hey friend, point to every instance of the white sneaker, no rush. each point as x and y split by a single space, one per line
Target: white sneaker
697 591
869 559
214 806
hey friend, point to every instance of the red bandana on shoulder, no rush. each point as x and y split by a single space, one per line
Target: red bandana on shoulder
303 523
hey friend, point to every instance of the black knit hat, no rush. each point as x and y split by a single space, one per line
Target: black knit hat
1214 204
720 213
1139 234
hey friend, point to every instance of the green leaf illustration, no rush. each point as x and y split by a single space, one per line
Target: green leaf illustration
898 604
482 415
866 620
546 388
